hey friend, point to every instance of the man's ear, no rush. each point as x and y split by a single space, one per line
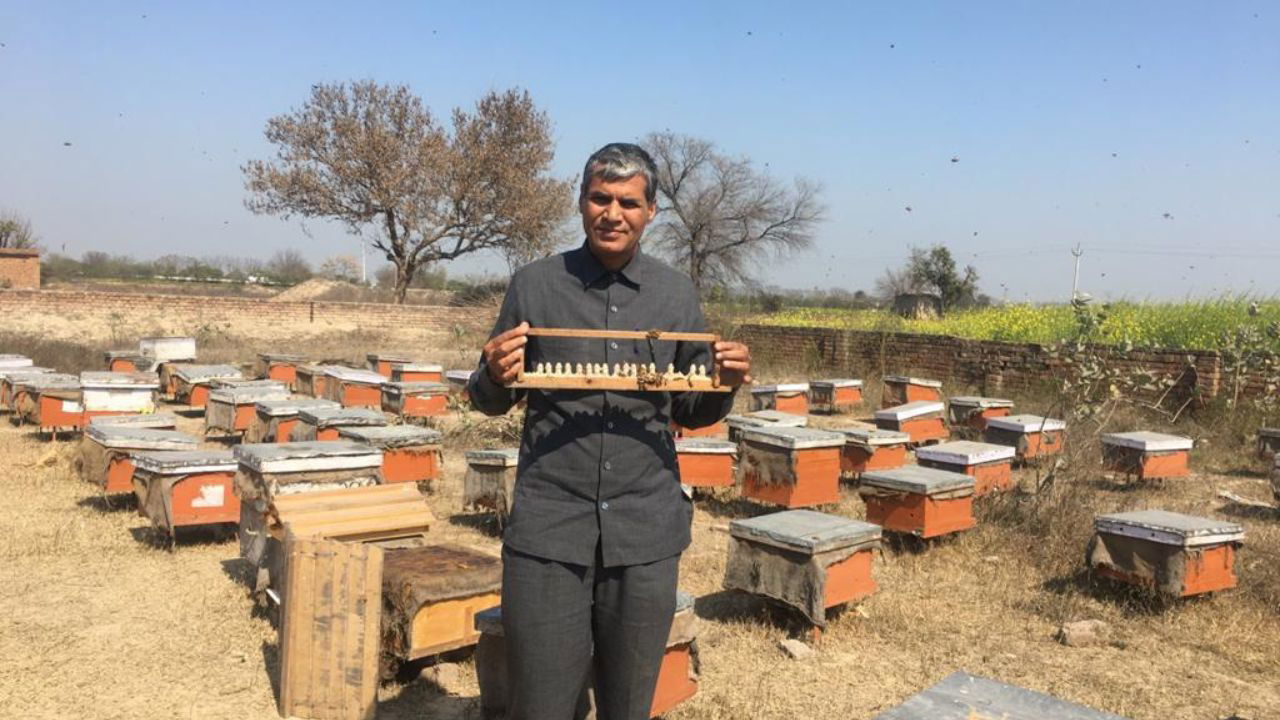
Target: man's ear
653 209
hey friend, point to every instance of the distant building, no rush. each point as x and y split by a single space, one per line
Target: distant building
917 306
20 268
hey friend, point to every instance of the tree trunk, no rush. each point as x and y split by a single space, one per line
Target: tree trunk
404 274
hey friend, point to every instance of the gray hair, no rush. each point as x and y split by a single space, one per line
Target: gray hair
621 161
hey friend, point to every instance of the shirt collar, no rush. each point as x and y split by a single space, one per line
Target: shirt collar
589 270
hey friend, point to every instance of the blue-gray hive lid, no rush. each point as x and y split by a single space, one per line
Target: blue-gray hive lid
965 452
354 375
391 436
961 696
47 381
418 387
245 394
245 383
832 383
311 456
761 418
976 401
138 420
1026 423
918 480
496 457
706 446
793 438
805 531
191 373
1169 528
289 406
908 380
1148 441
139 438
184 462
902 413
872 436
330 416
16 372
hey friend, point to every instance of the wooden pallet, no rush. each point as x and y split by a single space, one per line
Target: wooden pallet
360 514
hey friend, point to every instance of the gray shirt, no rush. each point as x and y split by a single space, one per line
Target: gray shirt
599 467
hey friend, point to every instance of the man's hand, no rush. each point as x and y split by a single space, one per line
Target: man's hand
733 360
504 354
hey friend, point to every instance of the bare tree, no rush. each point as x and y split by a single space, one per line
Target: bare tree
15 232
895 282
289 266
373 157
719 217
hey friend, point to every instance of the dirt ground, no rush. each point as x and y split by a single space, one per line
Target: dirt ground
102 621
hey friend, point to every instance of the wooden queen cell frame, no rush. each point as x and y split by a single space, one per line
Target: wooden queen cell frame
786 397
791 467
624 377
1031 436
990 466
834 396
106 453
1174 554
919 501
186 488
1146 455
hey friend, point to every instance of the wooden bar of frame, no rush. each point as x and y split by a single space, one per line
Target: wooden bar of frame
653 382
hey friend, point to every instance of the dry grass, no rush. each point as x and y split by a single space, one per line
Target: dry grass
102 622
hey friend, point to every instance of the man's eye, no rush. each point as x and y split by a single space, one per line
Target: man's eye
630 204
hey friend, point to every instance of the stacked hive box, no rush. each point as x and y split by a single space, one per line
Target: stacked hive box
415 399
990 466
809 560
383 363
1174 554
706 462
409 454
739 424
431 596
274 420
1146 455
919 501
185 489
791 467
232 409
971 412
903 389
870 448
164 354
922 420
490 481
1031 436
414 372
353 388
281 367
192 382
106 453
961 696
784 397
836 395
322 423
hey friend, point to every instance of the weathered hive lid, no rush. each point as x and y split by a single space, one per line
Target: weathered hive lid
162 421
706 446
1269 432
192 373
418 367
961 696
761 418
980 402
966 452
918 480
290 406
185 462
127 354
872 436
416 388
331 416
245 394
457 377
779 388
354 375
391 357
793 438
805 531
1026 423
241 382
836 383
136 438
16 373
315 368
282 357
168 348
498 457
311 456
10 360
392 436
46 381
98 380
916 409
907 379
1169 528
1148 441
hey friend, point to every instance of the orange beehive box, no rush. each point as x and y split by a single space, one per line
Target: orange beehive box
972 412
739 424
106 452
1031 436
431 596
490 481
24 393
275 419
322 423
310 380
231 409
835 395
383 363
919 501
9 377
903 389
719 429
186 488
128 361
677 675
352 387
990 466
809 560
191 382
784 397
413 372
870 448
1146 455
415 399
922 420
1268 443
791 467
281 367
1171 553
409 453
706 462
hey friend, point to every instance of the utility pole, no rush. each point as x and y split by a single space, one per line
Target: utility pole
1077 251
364 273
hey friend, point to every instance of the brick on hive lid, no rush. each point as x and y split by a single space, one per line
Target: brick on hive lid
1176 554
961 696
11 361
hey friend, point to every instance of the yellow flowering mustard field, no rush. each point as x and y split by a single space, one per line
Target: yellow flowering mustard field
1203 325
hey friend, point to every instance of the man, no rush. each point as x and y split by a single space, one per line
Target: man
592 548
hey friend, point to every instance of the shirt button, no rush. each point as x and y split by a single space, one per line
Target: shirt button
613 308
613 346
604 505
608 465
609 424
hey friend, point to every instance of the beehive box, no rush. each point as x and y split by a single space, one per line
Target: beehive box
784 397
153 421
706 462
118 393
310 379
11 361
922 420
232 409
1174 554
972 412
490 481
990 466
50 401
903 389
24 393
191 383
457 380
186 488
10 377
835 395
1146 455
791 467
322 423
275 419
353 388
678 675
739 424
870 448
1031 436
919 501
382 362
431 595
281 367
106 453
128 361
178 349
1268 442
715 430
961 696
409 454
411 372
415 399
808 560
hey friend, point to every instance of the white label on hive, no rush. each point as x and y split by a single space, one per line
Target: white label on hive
210 496
71 406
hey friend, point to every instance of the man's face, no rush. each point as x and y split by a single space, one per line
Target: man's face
613 216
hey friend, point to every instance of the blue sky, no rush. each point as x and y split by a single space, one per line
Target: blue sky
1148 132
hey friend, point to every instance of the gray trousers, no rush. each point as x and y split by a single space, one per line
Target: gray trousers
561 620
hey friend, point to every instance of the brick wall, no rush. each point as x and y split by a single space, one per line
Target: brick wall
19 268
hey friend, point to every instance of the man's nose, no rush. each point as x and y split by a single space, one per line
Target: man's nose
612 212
